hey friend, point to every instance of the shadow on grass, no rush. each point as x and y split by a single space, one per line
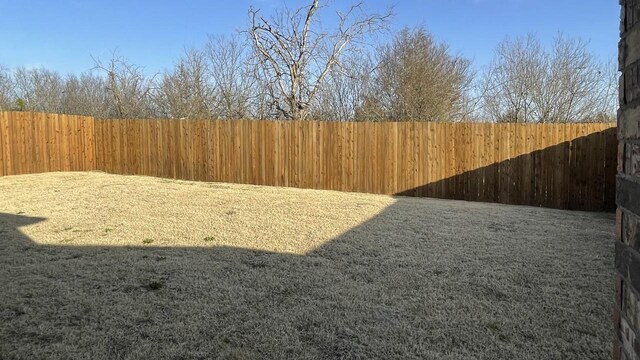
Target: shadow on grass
518 282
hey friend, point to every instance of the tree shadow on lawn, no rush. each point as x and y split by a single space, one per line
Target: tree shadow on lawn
425 278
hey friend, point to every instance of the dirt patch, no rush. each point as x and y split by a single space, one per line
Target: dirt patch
103 266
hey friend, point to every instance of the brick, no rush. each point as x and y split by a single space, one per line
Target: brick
630 230
619 216
628 337
630 310
627 263
622 153
631 14
622 54
621 99
631 83
618 291
629 123
623 17
627 52
616 320
632 160
628 193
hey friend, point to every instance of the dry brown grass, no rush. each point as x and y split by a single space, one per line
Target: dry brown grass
106 266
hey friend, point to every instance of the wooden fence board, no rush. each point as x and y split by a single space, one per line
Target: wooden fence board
569 166
3 117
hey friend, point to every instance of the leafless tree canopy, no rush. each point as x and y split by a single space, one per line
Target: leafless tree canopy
527 83
86 95
344 90
185 91
233 85
130 90
39 89
212 83
6 89
287 65
296 55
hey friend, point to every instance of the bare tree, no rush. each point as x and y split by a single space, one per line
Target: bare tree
130 90
608 92
343 92
510 79
418 79
186 92
526 83
86 95
39 89
232 80
211 83
7 96
47 91
262 93
296 54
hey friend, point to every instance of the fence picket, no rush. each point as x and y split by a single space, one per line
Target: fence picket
569 166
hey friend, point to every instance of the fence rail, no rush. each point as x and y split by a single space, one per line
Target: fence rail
567 166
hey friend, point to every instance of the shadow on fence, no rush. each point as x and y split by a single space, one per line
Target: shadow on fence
522 181
417 159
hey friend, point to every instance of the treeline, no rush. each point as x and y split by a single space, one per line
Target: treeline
290 67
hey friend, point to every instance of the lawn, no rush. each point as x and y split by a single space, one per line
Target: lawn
125 267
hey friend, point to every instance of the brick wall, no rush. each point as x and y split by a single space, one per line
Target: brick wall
627 302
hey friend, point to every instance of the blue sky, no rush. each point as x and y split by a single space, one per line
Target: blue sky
62 35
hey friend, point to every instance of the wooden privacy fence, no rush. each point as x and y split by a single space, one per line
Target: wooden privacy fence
39 142
567 166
